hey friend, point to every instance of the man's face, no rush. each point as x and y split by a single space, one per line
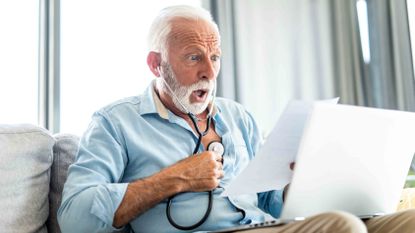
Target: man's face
192 64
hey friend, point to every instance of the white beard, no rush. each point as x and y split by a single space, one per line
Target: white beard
182 93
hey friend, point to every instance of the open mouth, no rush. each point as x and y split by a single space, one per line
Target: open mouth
200 95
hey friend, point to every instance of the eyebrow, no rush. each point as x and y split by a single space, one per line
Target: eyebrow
201 49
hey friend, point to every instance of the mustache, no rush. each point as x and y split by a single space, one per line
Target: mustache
202 84
172 80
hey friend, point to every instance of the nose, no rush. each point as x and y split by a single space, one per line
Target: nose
209 69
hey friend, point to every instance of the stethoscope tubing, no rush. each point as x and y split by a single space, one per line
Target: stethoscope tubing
198 144
170 199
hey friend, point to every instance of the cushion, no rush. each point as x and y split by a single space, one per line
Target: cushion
64 152
25 161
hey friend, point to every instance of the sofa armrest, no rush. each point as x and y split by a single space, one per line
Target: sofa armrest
64 153
26 158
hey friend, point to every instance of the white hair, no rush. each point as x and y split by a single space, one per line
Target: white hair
161 26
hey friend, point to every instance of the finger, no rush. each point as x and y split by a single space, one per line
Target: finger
284 193
221 174
220 171
219 166
292 166
209 155
216 156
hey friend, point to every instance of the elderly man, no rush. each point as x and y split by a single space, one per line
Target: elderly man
157 162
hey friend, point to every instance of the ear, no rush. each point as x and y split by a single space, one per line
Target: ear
153 62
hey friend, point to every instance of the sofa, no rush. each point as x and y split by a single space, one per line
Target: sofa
33 170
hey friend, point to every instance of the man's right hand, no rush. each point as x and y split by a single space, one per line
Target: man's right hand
196 173
287 187
200 172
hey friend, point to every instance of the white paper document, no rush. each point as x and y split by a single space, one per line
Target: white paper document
270 170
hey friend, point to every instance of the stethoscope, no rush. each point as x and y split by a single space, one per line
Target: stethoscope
215 146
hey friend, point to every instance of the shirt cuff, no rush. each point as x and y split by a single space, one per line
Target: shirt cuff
276 202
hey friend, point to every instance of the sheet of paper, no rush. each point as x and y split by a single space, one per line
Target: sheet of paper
269 169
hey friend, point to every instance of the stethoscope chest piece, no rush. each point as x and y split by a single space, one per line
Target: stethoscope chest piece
217 147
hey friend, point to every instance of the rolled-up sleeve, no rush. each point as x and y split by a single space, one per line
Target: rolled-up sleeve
93 192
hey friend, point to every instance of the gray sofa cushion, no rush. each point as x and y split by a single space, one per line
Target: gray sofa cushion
64 152
25 161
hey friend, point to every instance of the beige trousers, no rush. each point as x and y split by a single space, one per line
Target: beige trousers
341 222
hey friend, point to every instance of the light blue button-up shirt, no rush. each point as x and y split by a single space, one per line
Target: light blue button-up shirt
137 137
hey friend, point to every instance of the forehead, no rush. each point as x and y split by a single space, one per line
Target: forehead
188 32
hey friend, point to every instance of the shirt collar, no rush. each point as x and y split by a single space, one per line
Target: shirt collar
152 103
161 109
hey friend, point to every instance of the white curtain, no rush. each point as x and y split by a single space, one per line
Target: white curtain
284 52
313 49
278 50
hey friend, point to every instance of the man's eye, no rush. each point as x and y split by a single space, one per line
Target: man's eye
194 57
215 58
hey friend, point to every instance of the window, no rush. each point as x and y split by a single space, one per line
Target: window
363 29
103 54
19 26
411 19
